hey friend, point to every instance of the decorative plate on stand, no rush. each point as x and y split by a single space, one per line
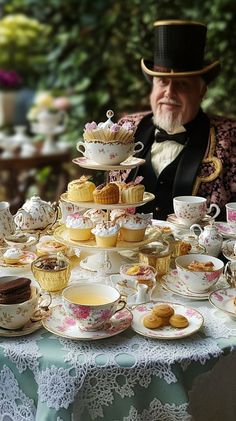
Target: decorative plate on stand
131 162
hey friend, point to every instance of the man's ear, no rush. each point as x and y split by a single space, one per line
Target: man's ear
203 90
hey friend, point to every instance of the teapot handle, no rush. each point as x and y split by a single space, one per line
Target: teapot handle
192 230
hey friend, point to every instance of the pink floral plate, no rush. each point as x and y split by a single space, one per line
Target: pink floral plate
228 249
225 229
223 299
26 260
195 320
175 221
59 323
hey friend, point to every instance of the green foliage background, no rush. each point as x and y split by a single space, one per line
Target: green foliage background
95 47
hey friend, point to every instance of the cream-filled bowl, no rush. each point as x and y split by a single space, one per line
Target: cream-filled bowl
199 277
92 305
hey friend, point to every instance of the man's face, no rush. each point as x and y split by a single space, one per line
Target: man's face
176 101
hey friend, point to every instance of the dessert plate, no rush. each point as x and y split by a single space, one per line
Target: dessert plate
28 328
173 283
223 299
62 325
130 162
174 220
26 260
228 249
164 226
62 234
225 229
147 197
195 320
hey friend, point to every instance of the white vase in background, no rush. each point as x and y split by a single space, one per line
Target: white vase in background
7 107
20 137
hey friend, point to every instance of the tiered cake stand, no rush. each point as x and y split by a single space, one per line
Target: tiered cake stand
107 260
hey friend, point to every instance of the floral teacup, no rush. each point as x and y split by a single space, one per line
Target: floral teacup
92 305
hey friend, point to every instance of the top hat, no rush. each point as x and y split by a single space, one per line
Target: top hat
179 51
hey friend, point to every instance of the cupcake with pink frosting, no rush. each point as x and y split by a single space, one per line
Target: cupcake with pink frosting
79 227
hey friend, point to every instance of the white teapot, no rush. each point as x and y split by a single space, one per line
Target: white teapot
35 214
210 238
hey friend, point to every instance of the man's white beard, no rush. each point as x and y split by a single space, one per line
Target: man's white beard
168 121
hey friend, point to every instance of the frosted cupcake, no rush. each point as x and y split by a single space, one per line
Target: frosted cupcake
133 227
12 255
132 193
106 234
79 227
96 215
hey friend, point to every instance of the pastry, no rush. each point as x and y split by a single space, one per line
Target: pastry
151 321
96 215
106 194
133 227
132 193
197 266
50 246
106 234
163 310
80 190
179 321
14 291
109 132
79 227
116 214
12 255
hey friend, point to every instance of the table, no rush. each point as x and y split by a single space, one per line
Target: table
18 174
128 377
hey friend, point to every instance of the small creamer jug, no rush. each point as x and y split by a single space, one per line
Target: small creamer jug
210 238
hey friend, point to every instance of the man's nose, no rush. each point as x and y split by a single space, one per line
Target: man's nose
170 88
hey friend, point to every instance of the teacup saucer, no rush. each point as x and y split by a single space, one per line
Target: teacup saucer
26 260
28 328
174 220
173 283
62 325
130 162
223 299
225 229
228 249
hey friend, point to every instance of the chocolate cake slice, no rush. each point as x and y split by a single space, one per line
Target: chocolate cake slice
14 290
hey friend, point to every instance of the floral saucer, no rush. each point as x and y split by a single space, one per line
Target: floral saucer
28 328
130 162
62 325
223 299
228 249
195 320
173 283
26 260
175 221
225 229
20 240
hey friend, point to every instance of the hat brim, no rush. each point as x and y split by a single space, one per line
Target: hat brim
208 73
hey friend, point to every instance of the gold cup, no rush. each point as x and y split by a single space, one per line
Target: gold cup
52 280
160 260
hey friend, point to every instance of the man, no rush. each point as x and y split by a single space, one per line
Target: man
186 152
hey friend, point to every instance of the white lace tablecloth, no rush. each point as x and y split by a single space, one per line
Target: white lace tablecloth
127 377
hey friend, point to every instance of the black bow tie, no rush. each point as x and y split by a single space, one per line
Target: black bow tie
161 135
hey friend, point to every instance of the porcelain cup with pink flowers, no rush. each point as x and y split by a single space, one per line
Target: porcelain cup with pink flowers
231 215
92 305
199 272
192 209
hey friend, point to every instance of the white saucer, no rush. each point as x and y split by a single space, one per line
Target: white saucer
228 249
30 240
225 229
174 220
173 283
28 328
62 325
131 162
195 320
147 197
223 299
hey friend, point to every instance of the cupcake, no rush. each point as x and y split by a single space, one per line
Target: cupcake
133 227
132 193
12 255
106 194
80 190
115 214
50 246
79 227
106 234
96 215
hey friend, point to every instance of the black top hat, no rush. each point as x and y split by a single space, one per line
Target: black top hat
179 51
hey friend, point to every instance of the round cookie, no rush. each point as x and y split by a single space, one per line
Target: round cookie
152 322
163 310
179 321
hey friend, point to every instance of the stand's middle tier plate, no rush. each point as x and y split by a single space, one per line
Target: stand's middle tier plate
147 197
62 234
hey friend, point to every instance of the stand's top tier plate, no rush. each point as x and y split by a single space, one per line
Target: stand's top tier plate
131 162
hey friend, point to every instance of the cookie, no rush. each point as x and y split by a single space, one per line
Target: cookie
163 310
152 322
179 321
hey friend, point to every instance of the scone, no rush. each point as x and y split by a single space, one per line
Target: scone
79 227
179 321
106 194
151 321
12 255
80 190
106 234
132 193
